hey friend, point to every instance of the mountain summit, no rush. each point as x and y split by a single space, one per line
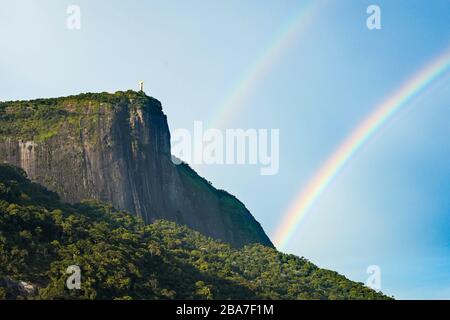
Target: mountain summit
116 148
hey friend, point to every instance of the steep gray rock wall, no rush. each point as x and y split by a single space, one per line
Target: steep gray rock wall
116 148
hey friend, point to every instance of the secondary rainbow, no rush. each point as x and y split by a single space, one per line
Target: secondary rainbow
243 89
325 175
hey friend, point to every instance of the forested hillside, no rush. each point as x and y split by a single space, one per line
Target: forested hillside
122 258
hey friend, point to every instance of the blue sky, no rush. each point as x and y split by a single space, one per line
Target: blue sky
389 207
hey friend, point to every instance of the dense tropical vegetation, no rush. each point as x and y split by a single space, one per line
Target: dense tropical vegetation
121 258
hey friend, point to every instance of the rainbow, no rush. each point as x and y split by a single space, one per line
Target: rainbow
325 175
243 89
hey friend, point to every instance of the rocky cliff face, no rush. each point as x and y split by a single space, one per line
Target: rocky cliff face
116 148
